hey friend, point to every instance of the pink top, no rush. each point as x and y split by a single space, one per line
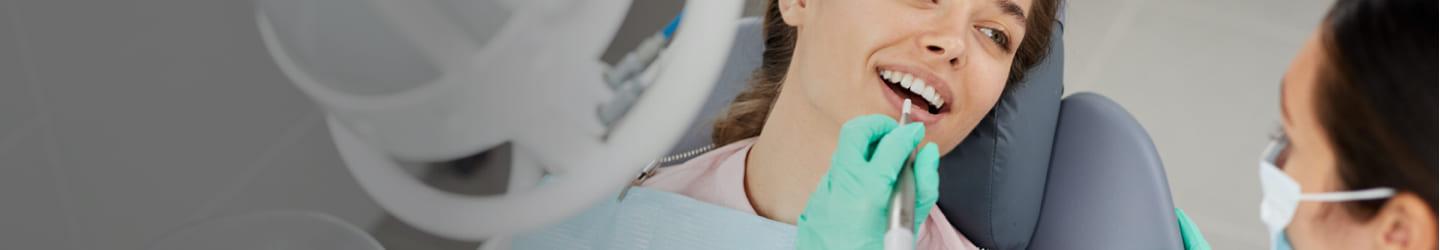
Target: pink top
719 177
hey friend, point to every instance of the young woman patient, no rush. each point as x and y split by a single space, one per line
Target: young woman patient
820 111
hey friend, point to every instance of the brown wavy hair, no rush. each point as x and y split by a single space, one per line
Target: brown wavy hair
1376 97
747 113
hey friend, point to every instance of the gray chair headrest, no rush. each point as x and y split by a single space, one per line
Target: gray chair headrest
744 58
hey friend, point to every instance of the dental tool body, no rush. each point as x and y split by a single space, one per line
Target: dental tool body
901 234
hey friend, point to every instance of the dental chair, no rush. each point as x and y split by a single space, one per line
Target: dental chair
1039 172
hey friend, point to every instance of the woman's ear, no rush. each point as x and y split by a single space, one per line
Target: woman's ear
794 11
1405 222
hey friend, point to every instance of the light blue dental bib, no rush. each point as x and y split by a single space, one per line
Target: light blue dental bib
653 219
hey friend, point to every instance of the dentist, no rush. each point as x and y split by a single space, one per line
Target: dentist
1354 164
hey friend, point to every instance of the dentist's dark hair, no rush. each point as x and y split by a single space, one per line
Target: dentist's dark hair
1377 97
747 113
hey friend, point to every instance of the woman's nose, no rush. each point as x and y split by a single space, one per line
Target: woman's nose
945 46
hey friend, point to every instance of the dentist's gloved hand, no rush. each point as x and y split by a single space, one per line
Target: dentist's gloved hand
849 208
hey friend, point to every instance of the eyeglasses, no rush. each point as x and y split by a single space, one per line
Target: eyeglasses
1278 150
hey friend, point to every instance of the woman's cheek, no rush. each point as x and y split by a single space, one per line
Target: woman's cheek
951 141
948 134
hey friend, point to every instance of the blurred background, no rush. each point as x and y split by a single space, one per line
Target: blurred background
124 121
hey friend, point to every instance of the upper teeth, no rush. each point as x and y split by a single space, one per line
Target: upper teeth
915 85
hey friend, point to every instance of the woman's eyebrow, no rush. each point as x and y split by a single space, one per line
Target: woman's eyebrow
1012 9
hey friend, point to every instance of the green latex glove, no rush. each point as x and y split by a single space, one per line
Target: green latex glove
849 207
1190 233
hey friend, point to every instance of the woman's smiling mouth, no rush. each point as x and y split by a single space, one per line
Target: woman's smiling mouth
914 88
926 91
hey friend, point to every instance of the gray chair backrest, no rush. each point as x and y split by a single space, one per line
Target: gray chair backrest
1107 188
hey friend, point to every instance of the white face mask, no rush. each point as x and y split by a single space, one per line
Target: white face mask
1282 195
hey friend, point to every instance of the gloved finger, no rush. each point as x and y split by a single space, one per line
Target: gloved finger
896 147
927 181
858 134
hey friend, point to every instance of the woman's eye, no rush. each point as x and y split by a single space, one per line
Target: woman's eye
996 36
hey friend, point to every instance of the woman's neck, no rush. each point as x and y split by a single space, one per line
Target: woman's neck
788 159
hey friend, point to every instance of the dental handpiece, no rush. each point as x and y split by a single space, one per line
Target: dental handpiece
900 234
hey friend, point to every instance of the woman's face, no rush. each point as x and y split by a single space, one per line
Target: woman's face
961 49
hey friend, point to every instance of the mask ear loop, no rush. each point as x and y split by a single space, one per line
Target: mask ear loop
1278 144
1367 194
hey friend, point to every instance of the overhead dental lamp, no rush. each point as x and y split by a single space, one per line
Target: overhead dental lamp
404 82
